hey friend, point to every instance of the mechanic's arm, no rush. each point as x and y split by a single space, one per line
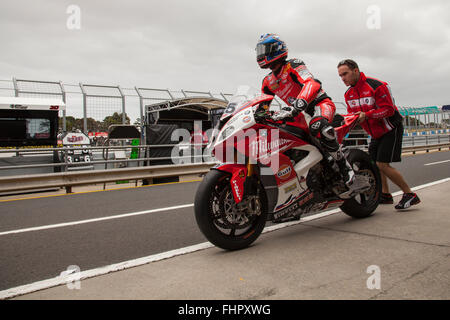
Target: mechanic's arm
384 102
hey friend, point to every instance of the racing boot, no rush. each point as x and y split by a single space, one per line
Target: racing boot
348 175
329 142
352 181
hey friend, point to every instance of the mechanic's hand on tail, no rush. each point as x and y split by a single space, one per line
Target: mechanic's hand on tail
362 116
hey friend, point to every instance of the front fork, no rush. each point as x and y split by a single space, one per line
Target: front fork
241 178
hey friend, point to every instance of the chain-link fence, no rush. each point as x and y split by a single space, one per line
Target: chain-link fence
102 106
40 89
95 107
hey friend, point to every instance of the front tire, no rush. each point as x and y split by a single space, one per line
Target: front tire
218 218
364 204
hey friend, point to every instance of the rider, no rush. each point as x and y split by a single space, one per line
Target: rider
295 85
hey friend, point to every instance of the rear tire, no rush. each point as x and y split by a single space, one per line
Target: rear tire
364 204
217 225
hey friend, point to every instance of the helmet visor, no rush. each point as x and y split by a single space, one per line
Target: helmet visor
263 49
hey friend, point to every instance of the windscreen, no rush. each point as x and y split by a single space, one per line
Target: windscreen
242 95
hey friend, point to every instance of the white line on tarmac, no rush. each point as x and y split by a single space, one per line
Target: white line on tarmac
61 280
433 163
426 185
73 223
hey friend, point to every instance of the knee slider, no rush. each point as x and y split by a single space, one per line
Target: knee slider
328 133
329 140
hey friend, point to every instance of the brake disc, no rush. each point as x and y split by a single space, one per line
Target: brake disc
240 215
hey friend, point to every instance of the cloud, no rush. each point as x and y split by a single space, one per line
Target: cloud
209 45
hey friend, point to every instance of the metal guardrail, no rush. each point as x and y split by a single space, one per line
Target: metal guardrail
408 141
426 148
426 139
78 178
63 153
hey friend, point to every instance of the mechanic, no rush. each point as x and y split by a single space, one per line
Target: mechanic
372 100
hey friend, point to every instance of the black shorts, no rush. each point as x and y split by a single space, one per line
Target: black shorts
388 148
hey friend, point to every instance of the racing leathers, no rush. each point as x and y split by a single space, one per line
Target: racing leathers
296 86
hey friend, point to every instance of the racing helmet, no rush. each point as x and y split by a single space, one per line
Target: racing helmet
270 48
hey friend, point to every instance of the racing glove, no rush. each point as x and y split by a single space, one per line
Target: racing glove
285 112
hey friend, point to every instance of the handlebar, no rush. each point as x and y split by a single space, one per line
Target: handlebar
268 115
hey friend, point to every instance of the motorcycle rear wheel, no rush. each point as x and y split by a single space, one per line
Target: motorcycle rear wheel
218 218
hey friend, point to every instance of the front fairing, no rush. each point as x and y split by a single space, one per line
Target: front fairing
240 140
239 114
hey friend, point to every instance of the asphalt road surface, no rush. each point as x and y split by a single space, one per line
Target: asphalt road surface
29 256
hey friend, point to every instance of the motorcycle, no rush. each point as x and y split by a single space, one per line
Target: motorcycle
275 171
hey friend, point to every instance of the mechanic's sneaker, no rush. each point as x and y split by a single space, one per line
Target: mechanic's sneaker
386 198
407 201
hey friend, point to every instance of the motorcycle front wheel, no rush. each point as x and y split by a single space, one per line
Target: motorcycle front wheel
224 223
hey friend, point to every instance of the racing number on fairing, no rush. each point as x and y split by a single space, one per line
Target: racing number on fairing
230 108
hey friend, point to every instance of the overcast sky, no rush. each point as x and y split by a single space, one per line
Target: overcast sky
209 44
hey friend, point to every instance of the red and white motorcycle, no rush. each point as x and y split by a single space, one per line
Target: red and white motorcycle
274 171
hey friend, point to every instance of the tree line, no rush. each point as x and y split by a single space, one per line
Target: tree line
73 123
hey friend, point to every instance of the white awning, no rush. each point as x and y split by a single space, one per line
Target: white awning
194 103
21 103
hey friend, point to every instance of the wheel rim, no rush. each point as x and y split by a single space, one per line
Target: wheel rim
233 219
369 197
